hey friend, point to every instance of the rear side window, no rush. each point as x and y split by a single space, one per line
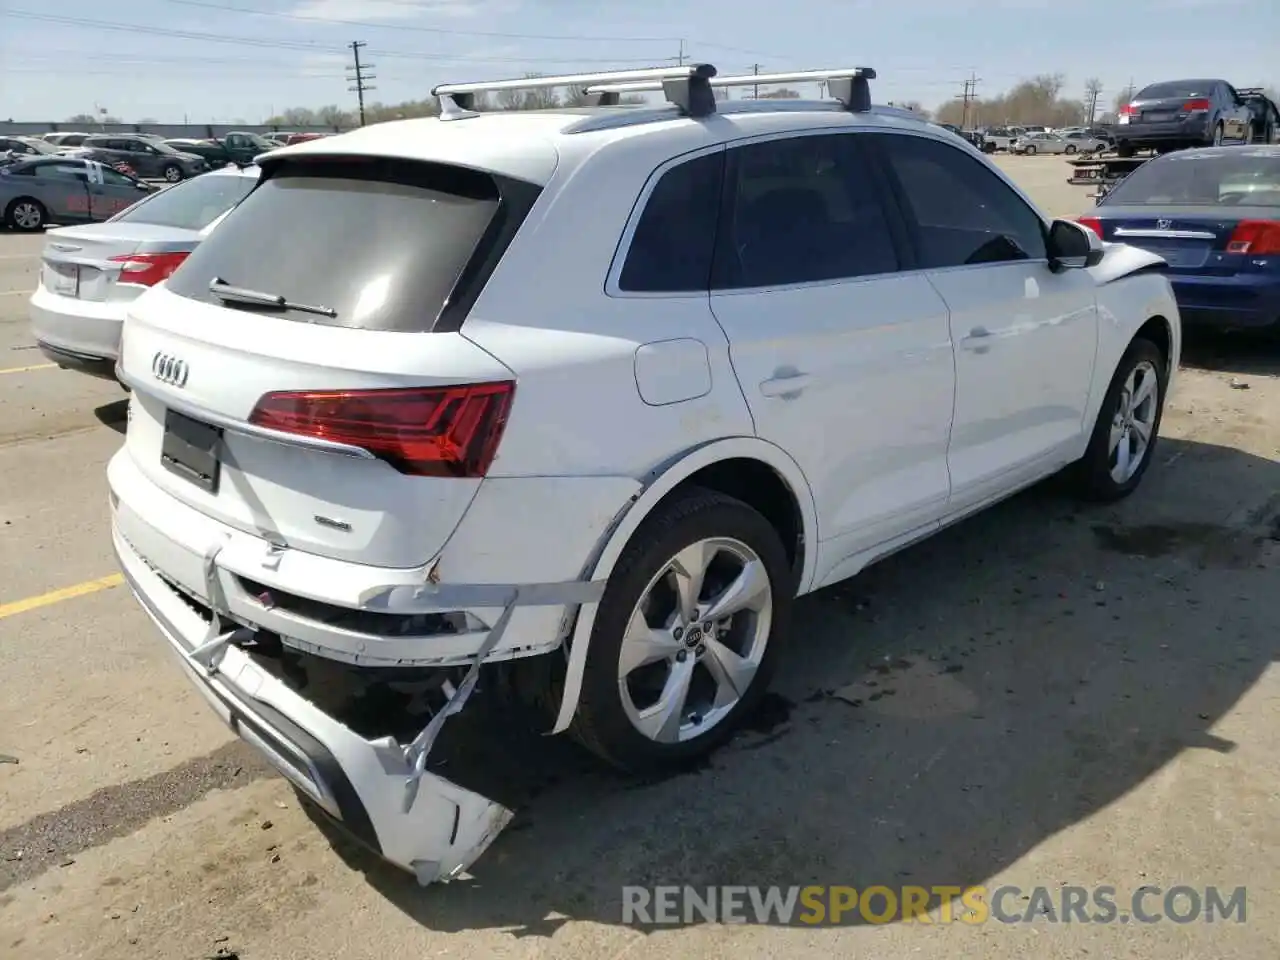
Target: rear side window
674 241
380 242
192 205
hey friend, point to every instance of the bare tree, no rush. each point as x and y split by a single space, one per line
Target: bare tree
1092 91
333 116
82 119
782 93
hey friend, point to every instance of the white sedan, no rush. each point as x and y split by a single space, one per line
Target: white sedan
1033 143
89 274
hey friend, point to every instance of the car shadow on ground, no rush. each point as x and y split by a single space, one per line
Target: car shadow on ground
936 718
1246 353
114 415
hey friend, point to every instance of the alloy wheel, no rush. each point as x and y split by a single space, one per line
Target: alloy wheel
695 640
27 215
1133 422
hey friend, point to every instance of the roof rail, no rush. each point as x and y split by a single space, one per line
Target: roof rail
686 86
848 85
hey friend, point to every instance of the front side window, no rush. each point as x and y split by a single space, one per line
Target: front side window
962 213
674 240
802 210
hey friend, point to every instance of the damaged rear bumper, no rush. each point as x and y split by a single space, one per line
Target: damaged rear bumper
379 791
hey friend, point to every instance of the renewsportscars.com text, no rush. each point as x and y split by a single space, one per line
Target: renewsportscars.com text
834 905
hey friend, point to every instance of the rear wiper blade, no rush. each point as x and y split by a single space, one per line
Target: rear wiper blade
257 298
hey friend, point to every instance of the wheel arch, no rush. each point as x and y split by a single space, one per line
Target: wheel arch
753 470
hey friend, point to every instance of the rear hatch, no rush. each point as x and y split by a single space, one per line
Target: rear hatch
288 380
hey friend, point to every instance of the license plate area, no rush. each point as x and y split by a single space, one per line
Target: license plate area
192 450
1159 116
62 279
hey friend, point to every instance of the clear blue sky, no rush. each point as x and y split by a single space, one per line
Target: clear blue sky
242 59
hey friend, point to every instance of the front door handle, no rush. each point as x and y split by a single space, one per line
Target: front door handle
785 386
975 340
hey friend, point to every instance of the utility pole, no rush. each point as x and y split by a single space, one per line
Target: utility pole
970 94
360 76
755 87
680 58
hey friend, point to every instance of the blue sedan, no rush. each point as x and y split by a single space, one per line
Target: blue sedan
1214 215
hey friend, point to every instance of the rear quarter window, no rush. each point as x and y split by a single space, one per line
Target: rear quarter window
382 243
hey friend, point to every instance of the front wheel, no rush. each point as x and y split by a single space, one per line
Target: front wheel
1125 433
1071 148
686 635
1030 151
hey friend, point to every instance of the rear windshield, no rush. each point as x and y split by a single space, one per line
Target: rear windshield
192 205
1176 88
381 243
1237 177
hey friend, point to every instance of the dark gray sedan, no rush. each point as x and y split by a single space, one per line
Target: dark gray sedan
149 158
64 190
1175 114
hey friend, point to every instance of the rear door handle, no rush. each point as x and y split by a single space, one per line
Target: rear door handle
784 386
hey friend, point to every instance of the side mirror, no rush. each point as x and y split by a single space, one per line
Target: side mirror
1073 246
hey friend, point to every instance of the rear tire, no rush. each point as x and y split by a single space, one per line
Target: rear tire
172 173
1217 135
1118 454
1030 150
26 214
1071 148
1124 151
745 560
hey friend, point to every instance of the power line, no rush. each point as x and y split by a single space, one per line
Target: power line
360 75
298 45
284 15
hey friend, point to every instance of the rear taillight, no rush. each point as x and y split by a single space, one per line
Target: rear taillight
1093 223
148 269
425 432
1196 106
1255 237
1129 110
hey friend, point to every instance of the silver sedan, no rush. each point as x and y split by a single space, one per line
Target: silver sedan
1032 143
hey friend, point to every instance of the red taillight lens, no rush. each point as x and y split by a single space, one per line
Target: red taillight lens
1128 110
425 432
1093 223
148 269
1255 237
1195 106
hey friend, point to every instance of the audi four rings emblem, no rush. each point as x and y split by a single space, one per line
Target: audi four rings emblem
169 369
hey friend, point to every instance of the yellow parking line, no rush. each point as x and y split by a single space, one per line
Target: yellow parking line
16 607
35 366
